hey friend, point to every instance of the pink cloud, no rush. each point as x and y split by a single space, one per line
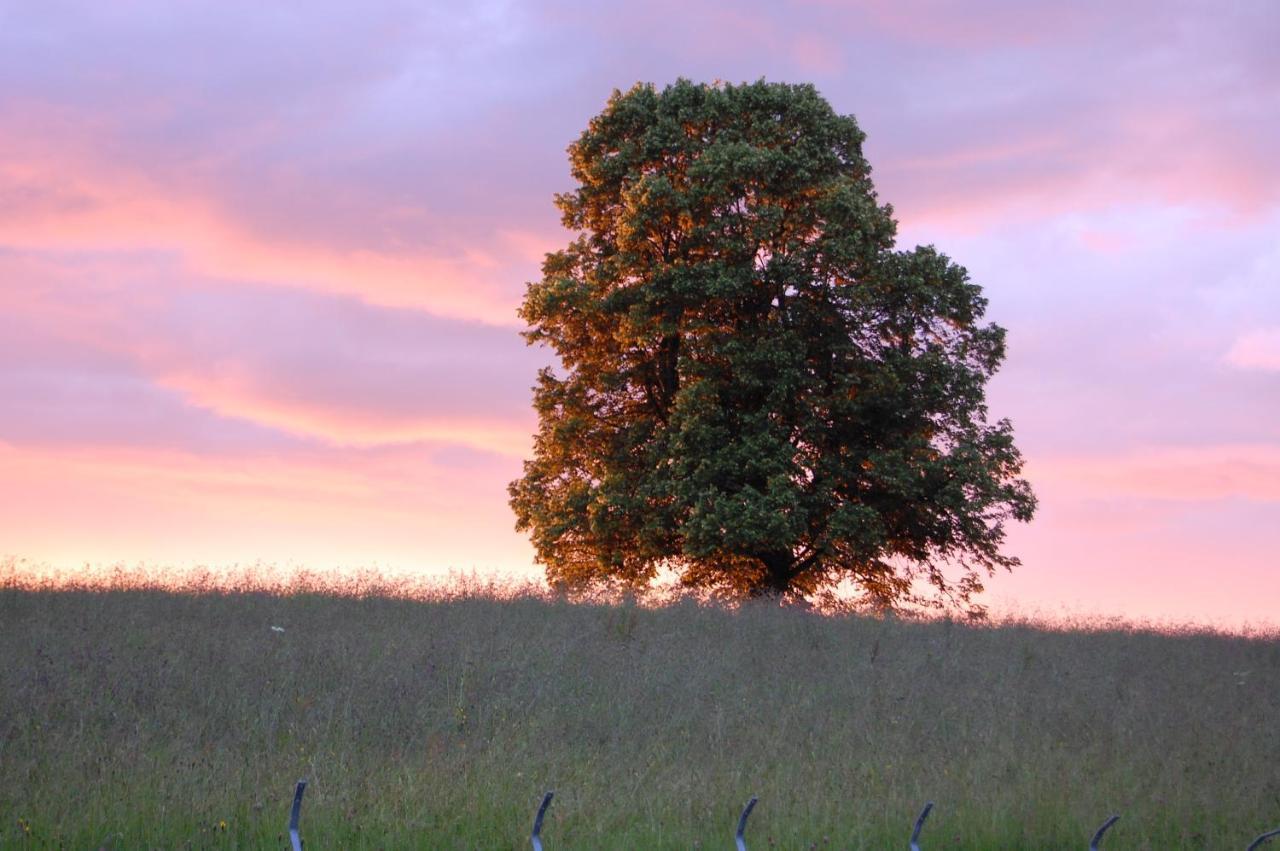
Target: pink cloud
1188 474
1193 563
394 510
350 425
1256 350
77 210
1001 23
258 269
360 177
973 186
290 362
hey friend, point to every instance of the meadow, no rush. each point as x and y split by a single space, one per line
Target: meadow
152 718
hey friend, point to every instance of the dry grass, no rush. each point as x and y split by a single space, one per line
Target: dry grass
136 718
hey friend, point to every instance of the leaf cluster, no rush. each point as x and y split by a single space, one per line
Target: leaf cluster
756 389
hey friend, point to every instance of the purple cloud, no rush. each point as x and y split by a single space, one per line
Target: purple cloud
281 360
273 245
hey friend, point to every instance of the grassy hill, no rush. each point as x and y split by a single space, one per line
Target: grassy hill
140 718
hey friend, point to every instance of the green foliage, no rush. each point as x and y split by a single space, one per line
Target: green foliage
757 390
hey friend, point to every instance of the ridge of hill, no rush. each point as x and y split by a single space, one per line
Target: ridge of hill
147 718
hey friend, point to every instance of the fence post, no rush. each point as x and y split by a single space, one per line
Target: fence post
1097 837
915 834
742 823
294 838
535 838
1263 838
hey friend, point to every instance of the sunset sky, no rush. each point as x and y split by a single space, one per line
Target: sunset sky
259 268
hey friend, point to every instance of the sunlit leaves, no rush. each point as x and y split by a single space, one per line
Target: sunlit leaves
756 389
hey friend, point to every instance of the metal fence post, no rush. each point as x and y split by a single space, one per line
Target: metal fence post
535 838
1263 838
742 824
1097 837
915 834
294 838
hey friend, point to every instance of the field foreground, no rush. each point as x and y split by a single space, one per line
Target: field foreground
147 719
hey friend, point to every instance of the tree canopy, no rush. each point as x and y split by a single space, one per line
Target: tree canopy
755 389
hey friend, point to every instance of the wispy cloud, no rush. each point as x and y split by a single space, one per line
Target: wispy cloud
392 508
259 267
1178 473
317 366
1256 350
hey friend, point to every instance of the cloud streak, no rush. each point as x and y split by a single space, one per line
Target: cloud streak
308 364
259 267
1175 473
1257 350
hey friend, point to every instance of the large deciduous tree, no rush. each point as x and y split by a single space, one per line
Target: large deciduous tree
756 390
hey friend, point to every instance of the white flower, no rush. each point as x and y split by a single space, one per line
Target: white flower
277 629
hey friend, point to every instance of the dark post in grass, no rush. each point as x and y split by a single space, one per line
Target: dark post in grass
742 823
915 834
1263 838
1097 837
294 838
535 838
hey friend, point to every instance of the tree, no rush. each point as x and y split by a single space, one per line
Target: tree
755 389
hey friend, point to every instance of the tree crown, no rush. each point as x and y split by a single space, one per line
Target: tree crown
756 389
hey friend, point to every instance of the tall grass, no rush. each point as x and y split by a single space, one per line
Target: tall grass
144 718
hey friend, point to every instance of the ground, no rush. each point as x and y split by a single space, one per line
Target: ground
142 719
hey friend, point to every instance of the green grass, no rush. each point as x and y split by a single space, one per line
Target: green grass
146 719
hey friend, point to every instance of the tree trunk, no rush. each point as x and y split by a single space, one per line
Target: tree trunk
778 566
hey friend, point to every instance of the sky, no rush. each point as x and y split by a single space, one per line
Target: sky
259 267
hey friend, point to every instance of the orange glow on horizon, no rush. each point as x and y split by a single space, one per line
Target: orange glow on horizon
263 312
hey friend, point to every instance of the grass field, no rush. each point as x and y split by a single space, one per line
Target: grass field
146 719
